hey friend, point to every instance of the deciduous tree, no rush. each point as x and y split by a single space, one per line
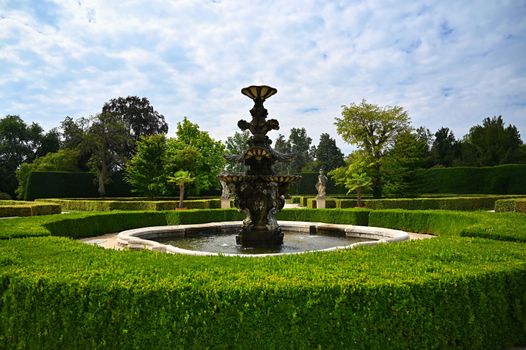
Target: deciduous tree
107 139
372 129
20 142
145 172
236 145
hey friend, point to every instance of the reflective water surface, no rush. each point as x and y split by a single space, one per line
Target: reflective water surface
293 242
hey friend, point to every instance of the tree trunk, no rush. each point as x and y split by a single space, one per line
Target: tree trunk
359 197
102 180
181 195
377 181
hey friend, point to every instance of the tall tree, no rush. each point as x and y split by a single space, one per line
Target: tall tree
372 129
236 145
107 139
327 154
300 148
283 146
19 143
209 161
445 148
409 153
145 171
138 116
492 143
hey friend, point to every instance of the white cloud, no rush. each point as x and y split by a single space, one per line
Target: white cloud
448 63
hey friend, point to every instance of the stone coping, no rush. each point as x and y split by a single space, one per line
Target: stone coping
140 238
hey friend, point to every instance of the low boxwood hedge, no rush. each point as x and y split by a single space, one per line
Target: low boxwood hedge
10 208
447 292
465 203
510 205
440 293
88 224
118 204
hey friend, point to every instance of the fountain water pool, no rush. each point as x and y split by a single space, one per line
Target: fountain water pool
301 237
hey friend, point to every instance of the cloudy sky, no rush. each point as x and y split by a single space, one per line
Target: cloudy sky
448 63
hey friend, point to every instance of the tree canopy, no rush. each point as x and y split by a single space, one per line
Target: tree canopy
327 154
492 143
138 115
145 172
236 145
374 130
20 142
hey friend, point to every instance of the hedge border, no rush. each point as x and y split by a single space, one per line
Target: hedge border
511 205
462 203
57 293
20 208
117 204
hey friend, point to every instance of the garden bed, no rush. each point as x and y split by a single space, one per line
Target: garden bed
449 292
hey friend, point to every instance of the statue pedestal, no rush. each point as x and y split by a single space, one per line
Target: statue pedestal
225 203
320 203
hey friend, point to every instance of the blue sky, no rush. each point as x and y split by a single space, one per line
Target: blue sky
448 63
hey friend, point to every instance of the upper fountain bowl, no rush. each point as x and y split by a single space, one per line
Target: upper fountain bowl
259 92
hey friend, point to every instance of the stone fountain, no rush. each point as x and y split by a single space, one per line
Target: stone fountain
259 193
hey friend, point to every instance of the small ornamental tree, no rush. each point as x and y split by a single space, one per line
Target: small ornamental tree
354 175
358 182
181 178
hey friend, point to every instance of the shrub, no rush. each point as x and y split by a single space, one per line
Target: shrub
509 205
501 179
20 208
332 216
60 294
120 204
56 184
329 203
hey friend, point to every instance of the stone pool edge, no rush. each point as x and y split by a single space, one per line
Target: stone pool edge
140 238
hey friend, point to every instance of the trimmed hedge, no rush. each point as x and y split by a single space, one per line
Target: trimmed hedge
500 226
329 203
501 179
497 226
57 184
20 208
484 202
79 225
441 293
447 292
510 205
144 204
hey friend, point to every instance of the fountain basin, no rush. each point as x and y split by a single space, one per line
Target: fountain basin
151 237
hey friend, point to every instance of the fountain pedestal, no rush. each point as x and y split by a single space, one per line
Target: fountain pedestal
259 193
260 197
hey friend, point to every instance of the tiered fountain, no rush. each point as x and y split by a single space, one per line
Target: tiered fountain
259 193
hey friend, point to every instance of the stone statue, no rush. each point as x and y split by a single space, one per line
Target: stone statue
321 186
226 191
